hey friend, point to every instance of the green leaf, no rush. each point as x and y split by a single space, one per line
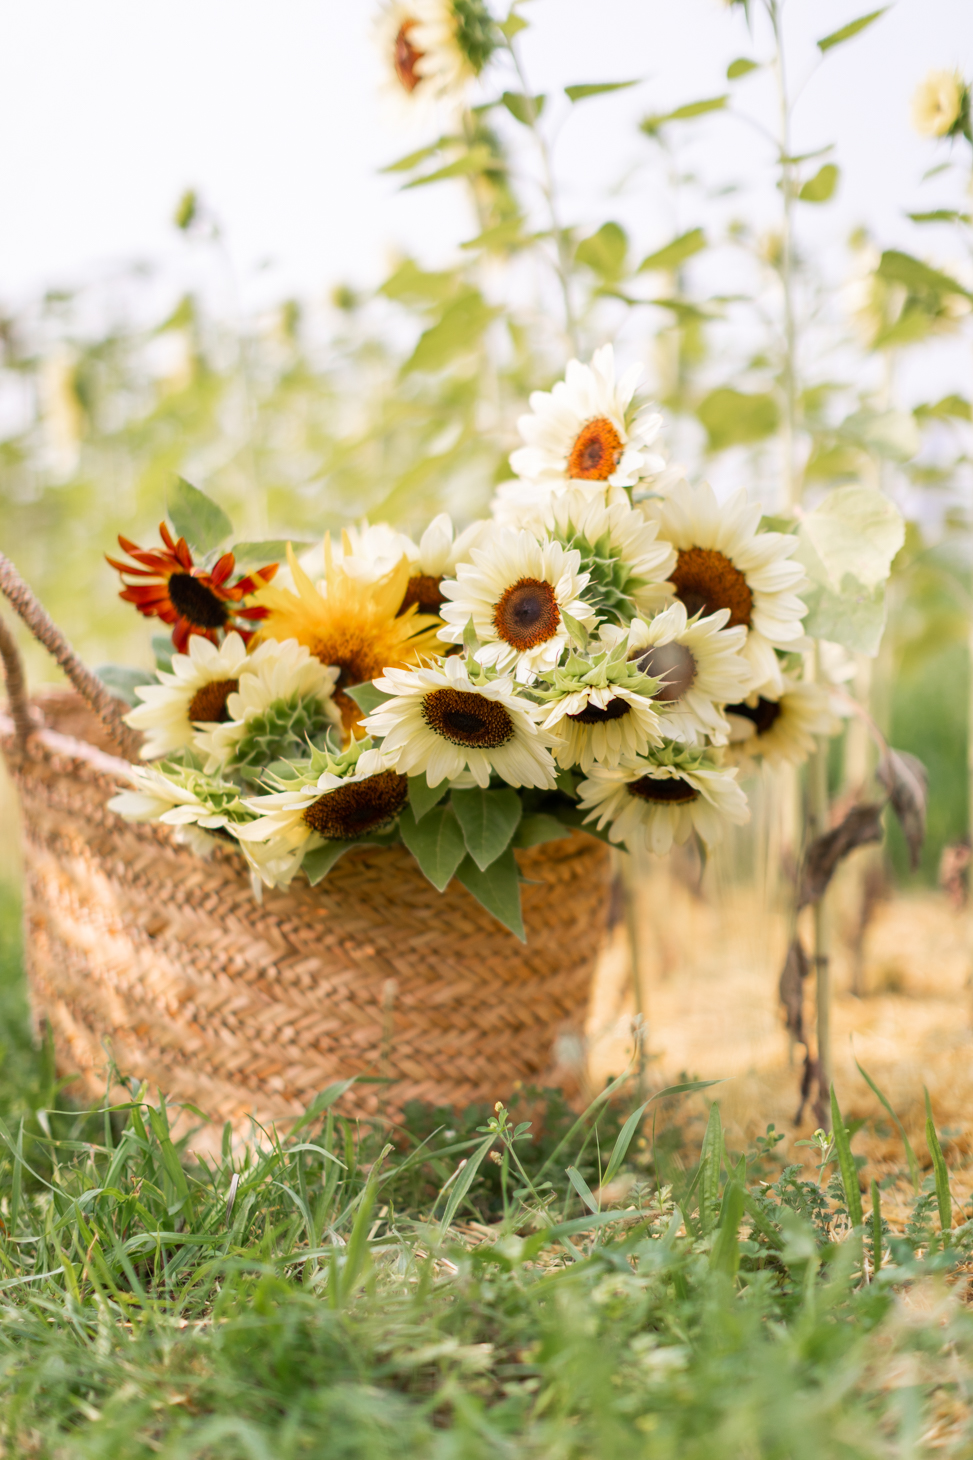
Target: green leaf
651 124
462 324
509 234
876 1230
853 616
436 843
197 517
423 797
597 88
725 1255
464 1181
889 434
523 110
909 1152
674 253
851 29
534 830
950 406
941 215
605 251
943 1198
412 159
162 651
123 681
260 554
582 1188
741 67
489 820
478 159
498 889
367 696
856 531
625 1135
318 863
732 418
846 1163
902 268
710 1160
821 187
512 26
413 286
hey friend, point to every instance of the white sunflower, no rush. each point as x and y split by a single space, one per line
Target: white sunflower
353 799
437 555
663 798
939 103
587 430
520 594
184 798
197 689
441 723
724 561
599 710
781 728
285 700
700 663
626 561
367 552
434 48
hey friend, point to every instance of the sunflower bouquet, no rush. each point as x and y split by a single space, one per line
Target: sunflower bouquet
604 653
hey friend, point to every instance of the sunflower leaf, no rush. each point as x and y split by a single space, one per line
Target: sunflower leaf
162 649
197 517
436 843
534 830
596 88
258 554
489 820
318 864
423 797
123 681
367 697
497 889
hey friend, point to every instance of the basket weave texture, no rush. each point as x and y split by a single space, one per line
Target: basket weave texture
138 946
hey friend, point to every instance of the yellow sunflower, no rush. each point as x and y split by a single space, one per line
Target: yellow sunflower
350 623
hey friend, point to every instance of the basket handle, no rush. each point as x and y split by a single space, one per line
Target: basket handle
108 709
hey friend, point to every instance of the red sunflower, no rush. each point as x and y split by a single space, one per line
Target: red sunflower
180 593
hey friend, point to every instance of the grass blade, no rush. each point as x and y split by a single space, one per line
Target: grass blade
583 1189
909 1152
943 1198
846 1163
710 1161
876 1230
464 1181
625 1135
725 1256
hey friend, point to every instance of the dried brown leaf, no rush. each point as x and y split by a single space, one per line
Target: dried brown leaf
905 778
791 989
862 825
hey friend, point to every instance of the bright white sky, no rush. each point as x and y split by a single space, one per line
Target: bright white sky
111 108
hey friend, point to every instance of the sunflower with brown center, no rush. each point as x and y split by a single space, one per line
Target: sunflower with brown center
726 564
352 624
434 48
663 798
781 729
599 710
195 601
441 723
195 689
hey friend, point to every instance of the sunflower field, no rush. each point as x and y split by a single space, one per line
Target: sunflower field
640 521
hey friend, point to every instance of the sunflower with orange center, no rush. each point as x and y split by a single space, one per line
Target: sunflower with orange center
435 48
724 561
170 586
355 625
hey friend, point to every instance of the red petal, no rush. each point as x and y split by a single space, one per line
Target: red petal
222 569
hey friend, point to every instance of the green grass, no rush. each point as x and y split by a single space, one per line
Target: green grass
354 1291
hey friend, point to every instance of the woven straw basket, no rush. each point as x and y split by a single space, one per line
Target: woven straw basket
139 950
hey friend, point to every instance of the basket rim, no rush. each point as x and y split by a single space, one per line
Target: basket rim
69 746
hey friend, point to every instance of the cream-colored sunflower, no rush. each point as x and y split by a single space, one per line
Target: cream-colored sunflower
442 724
523 597
283 703
781 728
183 797
663 798
355 626
197 689
588 431
354 798
435 48
438 552
600 710
626 562
700 663
939 104
724 561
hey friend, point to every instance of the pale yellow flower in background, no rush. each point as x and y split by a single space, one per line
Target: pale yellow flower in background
937 103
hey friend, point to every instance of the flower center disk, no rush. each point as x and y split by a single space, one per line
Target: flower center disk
359 808
209 701
596 451
195 602
595 715
673 664
670 791
405 57
466 719
527 614
422 590
705 581
764 714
